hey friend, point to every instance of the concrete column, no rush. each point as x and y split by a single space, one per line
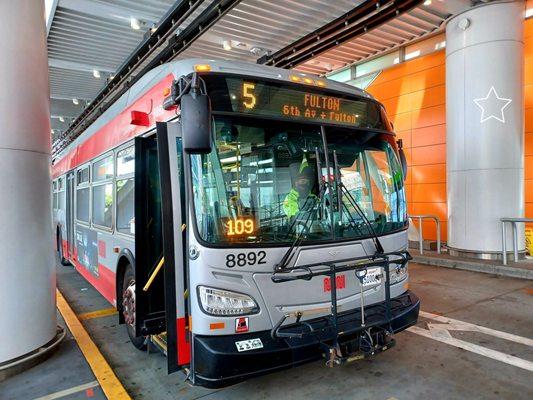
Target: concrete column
485 125
27 272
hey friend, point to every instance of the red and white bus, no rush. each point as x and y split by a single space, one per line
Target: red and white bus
242 218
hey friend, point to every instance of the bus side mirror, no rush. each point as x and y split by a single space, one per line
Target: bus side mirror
403 160
196 123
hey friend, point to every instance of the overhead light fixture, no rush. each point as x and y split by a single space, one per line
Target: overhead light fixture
427 2
135 23
96 73
226 44
62 119
75 101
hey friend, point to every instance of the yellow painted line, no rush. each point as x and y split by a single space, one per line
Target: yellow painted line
97 314
109 382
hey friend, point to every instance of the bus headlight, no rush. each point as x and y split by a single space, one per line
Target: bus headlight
223 302
398 274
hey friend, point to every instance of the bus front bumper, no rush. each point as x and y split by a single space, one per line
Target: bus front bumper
218 363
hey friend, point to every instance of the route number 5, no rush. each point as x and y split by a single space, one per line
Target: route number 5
249 96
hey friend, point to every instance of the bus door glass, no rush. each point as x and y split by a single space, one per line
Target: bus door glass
69 213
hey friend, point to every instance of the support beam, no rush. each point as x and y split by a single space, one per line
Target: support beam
365 17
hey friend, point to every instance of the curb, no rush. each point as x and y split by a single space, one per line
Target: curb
500 270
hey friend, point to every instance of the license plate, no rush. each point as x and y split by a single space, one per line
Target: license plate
247 345
373 277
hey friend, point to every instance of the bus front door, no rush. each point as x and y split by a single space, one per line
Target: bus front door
160 270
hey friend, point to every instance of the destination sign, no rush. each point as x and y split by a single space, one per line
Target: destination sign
305 103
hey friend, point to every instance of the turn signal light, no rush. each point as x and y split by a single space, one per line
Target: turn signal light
202 67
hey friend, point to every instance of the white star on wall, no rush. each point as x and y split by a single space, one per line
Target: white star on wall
492 106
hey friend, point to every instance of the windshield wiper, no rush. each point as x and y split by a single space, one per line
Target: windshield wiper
287 257
353 202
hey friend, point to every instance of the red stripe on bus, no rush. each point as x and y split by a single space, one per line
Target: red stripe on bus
119 129
104 283
184 346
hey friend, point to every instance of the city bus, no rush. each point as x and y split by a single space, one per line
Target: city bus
242 219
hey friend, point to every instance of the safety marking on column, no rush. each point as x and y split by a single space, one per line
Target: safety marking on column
441 332
105 312
107 379
67 392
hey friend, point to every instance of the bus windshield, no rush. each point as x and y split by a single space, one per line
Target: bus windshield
271 181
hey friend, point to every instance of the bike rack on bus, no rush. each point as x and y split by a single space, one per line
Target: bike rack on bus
327 329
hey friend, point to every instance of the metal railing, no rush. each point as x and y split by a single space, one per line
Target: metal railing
420 230
513 222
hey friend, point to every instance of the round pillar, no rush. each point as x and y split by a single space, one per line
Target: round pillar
27 265
485 126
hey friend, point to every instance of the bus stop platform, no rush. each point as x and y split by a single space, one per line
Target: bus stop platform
522 269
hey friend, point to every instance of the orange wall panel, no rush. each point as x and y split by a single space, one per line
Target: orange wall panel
529 120
429 135
528 96
429 193
428 116
528 144
402 122
528 115
428 155
435 173
414 95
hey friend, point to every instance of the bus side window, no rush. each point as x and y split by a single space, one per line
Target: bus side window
54 195
60 198
102 192
125 191
82 194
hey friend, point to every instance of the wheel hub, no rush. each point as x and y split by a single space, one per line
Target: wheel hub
128 304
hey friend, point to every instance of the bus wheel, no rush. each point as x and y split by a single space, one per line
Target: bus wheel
128 307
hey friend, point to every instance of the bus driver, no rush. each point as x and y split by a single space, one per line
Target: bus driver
301 195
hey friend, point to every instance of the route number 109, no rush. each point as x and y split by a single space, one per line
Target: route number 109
240 226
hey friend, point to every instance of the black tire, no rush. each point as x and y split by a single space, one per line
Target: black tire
128 308
62 259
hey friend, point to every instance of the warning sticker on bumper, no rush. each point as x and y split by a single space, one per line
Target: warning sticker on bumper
251 344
